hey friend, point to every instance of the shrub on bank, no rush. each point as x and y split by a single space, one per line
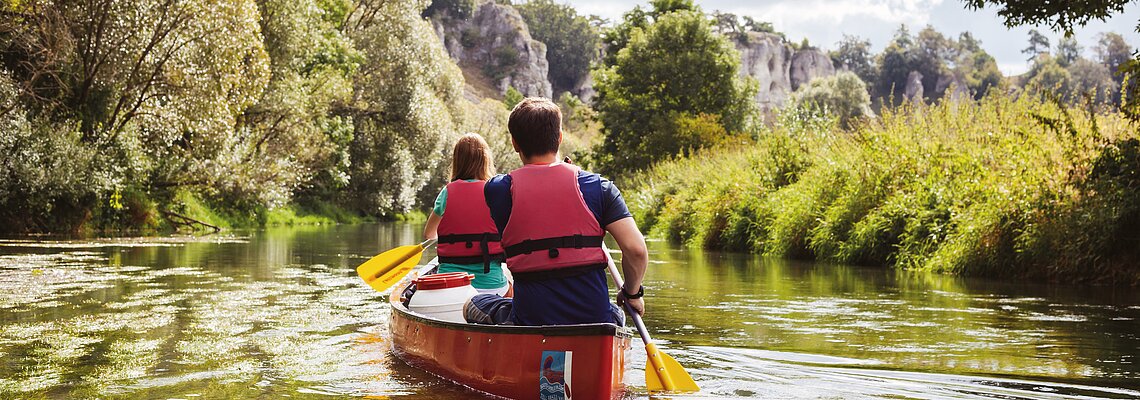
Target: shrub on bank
999 187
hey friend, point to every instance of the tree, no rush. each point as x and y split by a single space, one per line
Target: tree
1068 51
1093 79
894 65
408 103
1060 15
1049 77
571 42
1112 51
616 38
675 70
854 53
843 95
1063 16
1038 45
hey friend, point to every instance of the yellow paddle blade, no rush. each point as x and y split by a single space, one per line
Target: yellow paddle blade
387 268
663 373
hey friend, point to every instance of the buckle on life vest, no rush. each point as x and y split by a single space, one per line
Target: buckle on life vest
553 252
469 245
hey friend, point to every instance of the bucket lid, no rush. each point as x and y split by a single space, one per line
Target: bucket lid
443 281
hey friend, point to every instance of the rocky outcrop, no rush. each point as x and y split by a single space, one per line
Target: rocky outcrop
953 87
777 68
496 43
913 90
767 58
808 64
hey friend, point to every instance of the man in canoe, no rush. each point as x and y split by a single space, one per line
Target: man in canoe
552 217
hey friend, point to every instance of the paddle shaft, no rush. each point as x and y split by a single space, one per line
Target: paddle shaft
653 356
621 284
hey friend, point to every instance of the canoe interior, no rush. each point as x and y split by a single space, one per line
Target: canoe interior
517 362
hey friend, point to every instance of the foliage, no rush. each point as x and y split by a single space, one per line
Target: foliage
1094 80
1061 15
571 42
407 105
942 61
1048 76
461 9
843 95
854 54
617 37
673 70
1002 187
1068 51
1038 45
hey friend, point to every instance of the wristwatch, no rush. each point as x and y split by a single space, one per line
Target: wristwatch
640 292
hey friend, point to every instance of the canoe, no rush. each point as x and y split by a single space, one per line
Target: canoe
518 362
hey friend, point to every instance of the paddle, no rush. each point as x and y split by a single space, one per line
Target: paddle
661 371
387 268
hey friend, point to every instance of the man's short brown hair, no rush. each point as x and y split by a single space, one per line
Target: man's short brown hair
536 126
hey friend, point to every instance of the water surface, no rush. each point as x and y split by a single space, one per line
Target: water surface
281 313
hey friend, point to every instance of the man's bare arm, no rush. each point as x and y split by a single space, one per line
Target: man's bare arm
634 258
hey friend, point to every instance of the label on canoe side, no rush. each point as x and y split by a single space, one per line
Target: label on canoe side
554 375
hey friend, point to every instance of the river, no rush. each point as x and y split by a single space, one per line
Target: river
280 312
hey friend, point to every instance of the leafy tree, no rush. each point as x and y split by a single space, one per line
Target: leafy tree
1112 51
675 70
1060 15
616 38
854 54
894 65
461 9
981 72
407 106
843 95
1038 45
571 42
1048 76
1068 51
1092 79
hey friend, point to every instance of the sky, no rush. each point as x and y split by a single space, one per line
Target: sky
824 22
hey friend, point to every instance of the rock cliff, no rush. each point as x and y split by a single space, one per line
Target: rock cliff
495 44
778 68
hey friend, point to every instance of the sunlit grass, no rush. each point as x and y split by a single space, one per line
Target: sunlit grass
1002 187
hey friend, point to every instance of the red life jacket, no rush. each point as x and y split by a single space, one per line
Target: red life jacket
467 235
550 227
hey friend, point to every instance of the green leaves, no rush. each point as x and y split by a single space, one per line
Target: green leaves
673 70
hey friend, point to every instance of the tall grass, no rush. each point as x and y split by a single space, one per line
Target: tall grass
1005 187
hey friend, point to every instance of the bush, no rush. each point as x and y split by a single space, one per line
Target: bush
1001 187
843 95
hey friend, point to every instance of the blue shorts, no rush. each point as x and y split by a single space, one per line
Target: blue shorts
490 309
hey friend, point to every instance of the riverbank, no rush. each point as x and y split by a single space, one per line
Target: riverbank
1002 187
185 211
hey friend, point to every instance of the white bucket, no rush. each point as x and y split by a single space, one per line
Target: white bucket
442 296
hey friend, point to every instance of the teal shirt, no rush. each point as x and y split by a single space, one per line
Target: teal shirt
494 279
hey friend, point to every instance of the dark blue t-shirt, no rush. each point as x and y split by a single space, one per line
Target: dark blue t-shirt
578 299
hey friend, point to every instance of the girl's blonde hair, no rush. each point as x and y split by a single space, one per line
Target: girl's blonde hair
472 159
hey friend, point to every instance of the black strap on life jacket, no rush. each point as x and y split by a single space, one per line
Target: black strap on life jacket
560 273
484 239
551 245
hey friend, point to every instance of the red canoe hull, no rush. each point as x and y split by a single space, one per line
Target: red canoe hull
515 362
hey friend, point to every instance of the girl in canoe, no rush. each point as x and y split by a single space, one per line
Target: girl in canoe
468 239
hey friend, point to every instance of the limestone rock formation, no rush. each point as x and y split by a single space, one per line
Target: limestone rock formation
953 87
913 90
767 58
778 68
495 43
808 64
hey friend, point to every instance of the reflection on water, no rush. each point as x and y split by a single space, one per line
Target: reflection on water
281 313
